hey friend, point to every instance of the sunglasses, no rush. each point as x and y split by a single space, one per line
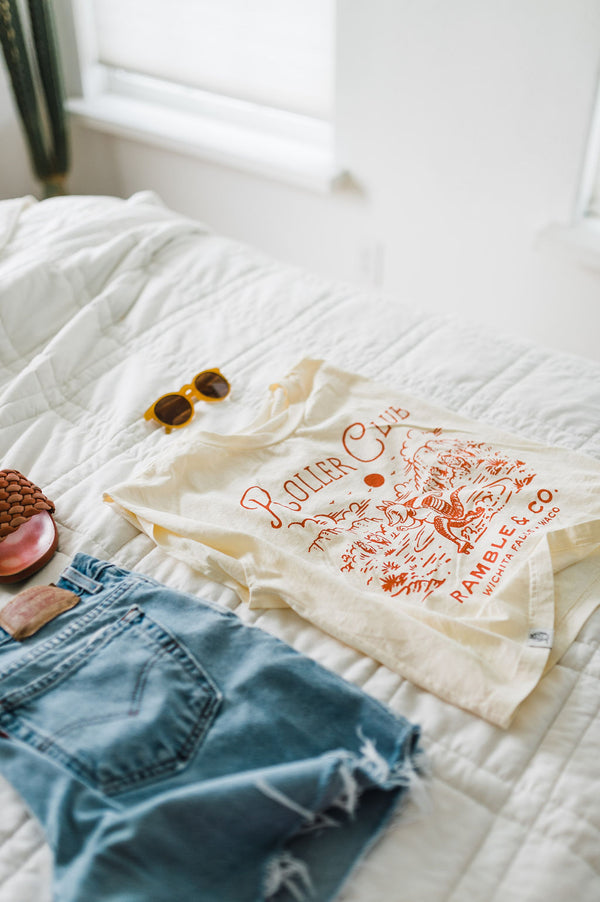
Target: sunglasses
176 409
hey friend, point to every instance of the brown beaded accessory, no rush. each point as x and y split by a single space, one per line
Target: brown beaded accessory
20 499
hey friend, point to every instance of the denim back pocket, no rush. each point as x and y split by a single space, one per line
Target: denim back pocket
129 707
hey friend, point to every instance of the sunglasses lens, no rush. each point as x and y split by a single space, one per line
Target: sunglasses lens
212 385
173 410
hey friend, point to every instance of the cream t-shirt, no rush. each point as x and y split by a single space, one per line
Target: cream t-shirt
462 557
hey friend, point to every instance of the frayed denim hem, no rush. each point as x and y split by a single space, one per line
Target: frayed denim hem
351 778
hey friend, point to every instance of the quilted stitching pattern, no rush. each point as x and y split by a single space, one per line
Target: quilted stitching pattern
127 299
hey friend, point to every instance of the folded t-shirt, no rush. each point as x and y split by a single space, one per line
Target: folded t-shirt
462 557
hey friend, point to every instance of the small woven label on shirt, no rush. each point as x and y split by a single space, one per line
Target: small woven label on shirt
541 638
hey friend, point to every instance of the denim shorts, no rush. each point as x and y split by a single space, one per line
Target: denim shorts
172 752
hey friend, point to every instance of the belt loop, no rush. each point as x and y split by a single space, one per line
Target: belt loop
80 580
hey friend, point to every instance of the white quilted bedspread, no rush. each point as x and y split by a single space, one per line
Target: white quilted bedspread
106 304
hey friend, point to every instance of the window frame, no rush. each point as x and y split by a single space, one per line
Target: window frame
587 204
289 147
578 239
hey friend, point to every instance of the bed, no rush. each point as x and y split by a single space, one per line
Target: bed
107 303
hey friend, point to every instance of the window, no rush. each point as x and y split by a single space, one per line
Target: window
592 206
588 201
247 84
579 237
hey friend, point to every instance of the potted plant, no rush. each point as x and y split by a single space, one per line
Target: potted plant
31 55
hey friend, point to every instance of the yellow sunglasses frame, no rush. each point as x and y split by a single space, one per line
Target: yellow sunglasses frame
192 394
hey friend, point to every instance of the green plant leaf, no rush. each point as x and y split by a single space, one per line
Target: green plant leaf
19 70
42 27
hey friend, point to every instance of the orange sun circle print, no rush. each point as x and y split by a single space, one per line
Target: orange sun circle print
375 480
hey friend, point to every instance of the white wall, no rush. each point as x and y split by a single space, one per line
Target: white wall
473 122
464 124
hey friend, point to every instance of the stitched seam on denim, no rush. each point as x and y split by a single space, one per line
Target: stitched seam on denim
40 684
208 704
140 683
177 761
18 697
36 653
50 741
212 700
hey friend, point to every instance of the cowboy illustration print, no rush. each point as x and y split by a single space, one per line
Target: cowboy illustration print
401 526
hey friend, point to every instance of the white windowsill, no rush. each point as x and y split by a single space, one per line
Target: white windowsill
287 158
579 241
